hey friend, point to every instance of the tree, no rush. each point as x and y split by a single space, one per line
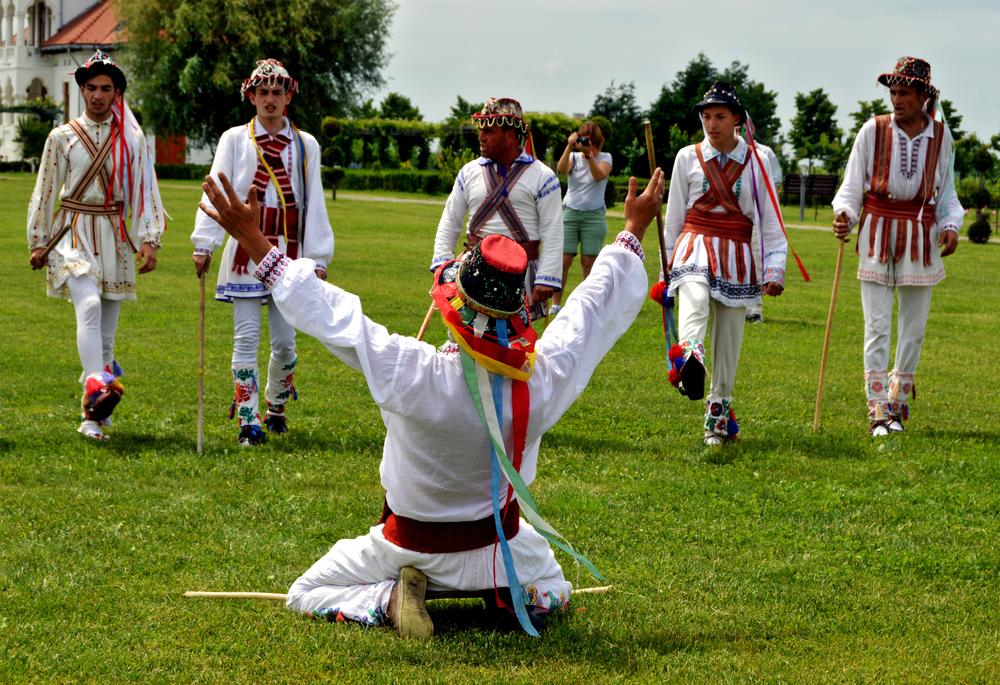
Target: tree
954 120
674 106
366 110
194 54
457 132
814 132
866 110
33 128
618 105
396 106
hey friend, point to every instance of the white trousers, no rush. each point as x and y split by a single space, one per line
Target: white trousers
694 308
246 332
914 307
354 579
96 323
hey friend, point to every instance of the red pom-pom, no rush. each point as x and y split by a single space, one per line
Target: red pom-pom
657 292
674 376
676 352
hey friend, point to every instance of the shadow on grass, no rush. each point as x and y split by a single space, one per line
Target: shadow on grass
991 437
821 446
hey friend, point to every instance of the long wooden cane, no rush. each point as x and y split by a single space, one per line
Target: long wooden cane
651 155
426 321
201 360
826 337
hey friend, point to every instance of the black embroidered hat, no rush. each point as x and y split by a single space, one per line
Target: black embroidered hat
722 94
100 63
909 70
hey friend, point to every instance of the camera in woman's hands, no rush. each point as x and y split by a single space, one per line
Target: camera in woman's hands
584 141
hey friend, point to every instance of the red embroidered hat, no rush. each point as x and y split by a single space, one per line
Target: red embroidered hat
100 63
269 72
909 70
501 112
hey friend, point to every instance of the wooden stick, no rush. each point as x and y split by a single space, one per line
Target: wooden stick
602 590
201 361
51 245
651 155
236 595
826 337
427 320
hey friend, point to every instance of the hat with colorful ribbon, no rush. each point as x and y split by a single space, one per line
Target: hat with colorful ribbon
722 94
482 301
100 64
271 73
909 70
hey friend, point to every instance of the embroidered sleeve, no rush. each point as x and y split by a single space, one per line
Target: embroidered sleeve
630 243
271 267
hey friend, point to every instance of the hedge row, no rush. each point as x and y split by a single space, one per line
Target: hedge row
397 180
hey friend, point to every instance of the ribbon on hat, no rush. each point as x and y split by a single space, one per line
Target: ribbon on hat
487 398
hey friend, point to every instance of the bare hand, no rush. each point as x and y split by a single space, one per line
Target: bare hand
146 258
571 140
320 273
773 289
36 260
947 241
240 219
842 226
541 293
201 263
640 209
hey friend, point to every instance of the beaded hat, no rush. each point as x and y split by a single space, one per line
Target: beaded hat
482 300
269 72
100 63
722 94
909 70
501 112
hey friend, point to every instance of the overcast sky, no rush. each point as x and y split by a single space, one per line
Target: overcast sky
556 56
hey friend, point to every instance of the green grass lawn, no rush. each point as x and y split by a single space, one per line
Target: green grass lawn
788 557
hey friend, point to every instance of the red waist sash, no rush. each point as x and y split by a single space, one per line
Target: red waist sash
879 207
530 246
443 537
726 226
272 226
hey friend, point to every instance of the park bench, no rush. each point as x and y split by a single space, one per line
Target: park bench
820 189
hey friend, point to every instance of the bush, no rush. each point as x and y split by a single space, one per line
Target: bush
980 198
397 180
184 172
979 230
15 166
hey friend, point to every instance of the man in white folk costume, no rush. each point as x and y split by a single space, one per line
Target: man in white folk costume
717 199
900 174
96 199
463 424
507 191
282 165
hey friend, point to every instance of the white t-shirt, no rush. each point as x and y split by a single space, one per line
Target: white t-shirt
583 193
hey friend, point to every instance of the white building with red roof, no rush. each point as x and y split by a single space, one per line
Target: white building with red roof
41 44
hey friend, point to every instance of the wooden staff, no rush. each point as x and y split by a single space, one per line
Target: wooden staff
201 360
277 596
651 155
51 245
427 320
826 337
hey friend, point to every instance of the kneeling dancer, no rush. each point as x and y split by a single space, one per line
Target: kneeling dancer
713 208
452 417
